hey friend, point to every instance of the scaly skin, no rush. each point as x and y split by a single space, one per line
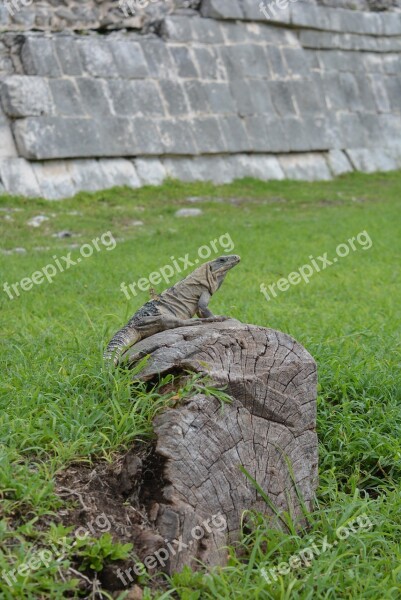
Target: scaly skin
175 307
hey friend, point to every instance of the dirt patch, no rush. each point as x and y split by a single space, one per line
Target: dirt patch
119 499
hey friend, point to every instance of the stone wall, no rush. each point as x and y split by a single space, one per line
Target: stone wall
216 93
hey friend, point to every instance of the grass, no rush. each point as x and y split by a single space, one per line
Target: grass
58 405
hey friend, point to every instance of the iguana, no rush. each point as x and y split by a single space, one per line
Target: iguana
175 307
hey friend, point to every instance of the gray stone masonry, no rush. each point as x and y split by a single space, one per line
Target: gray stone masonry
220 92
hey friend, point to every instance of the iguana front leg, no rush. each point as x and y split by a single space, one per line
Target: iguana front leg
203 311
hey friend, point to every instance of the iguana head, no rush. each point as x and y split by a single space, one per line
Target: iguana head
217 269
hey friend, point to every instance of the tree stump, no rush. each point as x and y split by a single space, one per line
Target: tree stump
268 428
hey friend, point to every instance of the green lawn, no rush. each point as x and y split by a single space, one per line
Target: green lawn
58 405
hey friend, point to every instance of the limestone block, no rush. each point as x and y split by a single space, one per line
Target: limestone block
207 31
120 172
94 96
390 127
219 98
307 15
151 171
351 130
18 177
365 90
88 175
24 96
338 162
300 62
7 144
321 132
275 59
391 23
393 89
374 134
370 160
308 97
195 92
390 63
305 167
66 98
266 135
241 91
222 9
216 169
245 60
97 58
281 95
135 98
68 55
177 29
341 91
336 19
129 59
184 62
373 63
174 96
51 137
158 58
298 135
208 135
339 60
210 63
177 137
263 167
234 134
145 138
379 93
54 179
38 57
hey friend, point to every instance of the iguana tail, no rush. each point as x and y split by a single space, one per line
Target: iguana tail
124 339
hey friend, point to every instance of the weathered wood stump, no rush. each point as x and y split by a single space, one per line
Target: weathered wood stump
269 429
